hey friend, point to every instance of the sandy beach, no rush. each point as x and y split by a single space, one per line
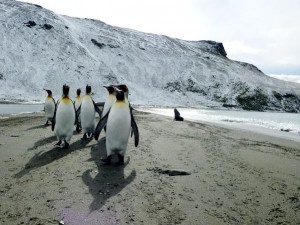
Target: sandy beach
231 176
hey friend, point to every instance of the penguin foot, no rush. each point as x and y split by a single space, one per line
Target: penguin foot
78 129
66 145
84 137
107 160
121 159
47 124
58 143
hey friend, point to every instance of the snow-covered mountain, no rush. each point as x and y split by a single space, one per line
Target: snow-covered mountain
41 49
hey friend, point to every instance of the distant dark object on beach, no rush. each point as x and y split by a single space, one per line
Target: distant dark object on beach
286 130
177 115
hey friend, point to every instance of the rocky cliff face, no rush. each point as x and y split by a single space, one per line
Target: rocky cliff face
40 49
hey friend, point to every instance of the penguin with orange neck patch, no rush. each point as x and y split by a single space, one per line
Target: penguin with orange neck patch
49 107
64 119
118 121
88 111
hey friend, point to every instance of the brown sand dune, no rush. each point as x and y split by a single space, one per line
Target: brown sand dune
231 177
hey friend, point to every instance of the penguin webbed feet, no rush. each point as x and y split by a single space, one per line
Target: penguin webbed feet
78 128
66 145
84 137
106 161
121 159
47 123
58 143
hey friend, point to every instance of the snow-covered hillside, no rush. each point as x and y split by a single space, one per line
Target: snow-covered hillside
40 49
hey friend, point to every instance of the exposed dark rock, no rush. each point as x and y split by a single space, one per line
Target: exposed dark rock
174 86
253 101
66 27
288 95
38 6
95 42
249 66
113 46
142 48
216 48
47 26
229 105
2 77
30 23
277 95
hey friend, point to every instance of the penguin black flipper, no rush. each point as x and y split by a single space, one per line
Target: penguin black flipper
76 116
54 116
135 130
97 109
100 125
78 110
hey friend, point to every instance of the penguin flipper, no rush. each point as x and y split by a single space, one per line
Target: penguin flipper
97 109
76 116
78 110
135 130
102 122
53 121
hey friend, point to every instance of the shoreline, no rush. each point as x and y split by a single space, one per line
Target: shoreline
236 177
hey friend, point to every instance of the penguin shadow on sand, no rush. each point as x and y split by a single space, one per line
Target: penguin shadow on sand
39 127
42 142
51 139
110 179
44 158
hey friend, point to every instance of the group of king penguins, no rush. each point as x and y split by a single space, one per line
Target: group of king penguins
116 119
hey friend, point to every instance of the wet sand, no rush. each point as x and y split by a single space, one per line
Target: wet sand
236 177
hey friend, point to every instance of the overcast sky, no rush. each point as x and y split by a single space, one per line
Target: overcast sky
265 33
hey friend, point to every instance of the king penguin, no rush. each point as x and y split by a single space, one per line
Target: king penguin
110 99
77 104
88 111
64 119
49 107
119 121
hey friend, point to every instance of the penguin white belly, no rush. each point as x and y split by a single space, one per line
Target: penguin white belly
49 108
87 115
65 118
108 103
118 129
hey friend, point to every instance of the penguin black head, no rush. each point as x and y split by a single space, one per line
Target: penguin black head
122 87
110 89
49 92
66 90
78 91
120 95
88 89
